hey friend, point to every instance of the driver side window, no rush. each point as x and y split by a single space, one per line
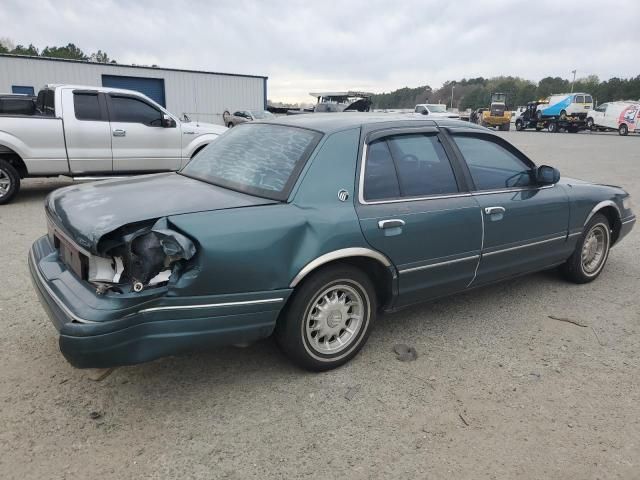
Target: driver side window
491 165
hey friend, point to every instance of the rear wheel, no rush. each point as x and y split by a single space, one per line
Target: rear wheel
623 129
552 127
9 182
563 115
591 252
328 319
506 127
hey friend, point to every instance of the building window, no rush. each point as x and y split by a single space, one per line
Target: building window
22 89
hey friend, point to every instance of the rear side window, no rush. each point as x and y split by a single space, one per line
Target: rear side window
412 165
422 165
380 179
588 99
87 106
132 110
492 166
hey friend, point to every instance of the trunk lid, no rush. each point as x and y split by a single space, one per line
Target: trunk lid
86 212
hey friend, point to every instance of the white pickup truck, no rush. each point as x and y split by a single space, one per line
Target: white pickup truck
93 132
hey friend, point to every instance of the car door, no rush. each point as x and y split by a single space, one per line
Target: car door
599 114
86 130
525 225
140 142
413 206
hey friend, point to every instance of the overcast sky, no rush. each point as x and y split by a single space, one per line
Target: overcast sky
371 45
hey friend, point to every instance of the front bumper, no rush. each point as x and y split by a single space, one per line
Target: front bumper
626 224
99 331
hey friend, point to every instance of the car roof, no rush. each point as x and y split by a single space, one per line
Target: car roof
333 122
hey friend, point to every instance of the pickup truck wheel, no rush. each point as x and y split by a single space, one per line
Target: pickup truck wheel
518 125
328 319
591 252
9 182
563 115
623 129
590 124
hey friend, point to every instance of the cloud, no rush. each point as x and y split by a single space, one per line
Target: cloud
366 44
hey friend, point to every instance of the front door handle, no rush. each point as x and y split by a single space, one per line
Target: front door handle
393 223
494 210
118 132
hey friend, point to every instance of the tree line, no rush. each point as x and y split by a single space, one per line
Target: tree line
69 51
476 92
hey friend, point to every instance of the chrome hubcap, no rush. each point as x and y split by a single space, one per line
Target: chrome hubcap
594 249
5 183
334 319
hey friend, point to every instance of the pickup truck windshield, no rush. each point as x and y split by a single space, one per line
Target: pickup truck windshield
258 159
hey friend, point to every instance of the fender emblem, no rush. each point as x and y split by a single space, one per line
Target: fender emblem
343 195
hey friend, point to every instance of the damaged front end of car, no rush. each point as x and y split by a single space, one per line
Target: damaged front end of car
139 256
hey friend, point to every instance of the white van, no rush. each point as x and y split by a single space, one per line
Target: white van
435 110
566 105
621 116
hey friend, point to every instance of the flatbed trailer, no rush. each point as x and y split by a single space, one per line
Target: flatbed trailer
552 125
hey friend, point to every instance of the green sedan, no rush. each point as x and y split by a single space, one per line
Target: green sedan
305 228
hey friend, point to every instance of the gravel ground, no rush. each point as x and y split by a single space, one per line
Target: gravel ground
499 390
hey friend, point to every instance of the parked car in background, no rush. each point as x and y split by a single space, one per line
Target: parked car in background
306 227
82 131
242 116
621 116
435 110
17 104
565 105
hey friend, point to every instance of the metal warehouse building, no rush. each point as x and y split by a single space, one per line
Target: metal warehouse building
203 96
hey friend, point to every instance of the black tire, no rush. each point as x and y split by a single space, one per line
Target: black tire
552 127
590 124
519 125
623 129
294 331
229 125
506 127
563 115
9 182
574 268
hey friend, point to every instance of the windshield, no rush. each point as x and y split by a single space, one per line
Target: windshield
437 108
261 114
258 159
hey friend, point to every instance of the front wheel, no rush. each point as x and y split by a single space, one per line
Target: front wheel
563 115
590 124
518 125
9 182
328 319
591 252
623 130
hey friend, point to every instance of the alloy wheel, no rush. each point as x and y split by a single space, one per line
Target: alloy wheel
334 319
5 183
594 249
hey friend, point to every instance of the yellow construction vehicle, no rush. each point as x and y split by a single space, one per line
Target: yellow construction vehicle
497 115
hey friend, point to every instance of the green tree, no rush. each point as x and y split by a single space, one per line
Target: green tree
101 57
70 51
22 50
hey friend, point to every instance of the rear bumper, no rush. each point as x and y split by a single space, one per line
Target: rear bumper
99 331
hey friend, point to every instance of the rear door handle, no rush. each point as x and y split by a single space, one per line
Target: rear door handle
393 223
118 132
493 210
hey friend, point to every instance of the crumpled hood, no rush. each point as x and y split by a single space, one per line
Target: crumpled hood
88 211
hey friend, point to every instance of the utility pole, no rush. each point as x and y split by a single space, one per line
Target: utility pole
574 79
452 87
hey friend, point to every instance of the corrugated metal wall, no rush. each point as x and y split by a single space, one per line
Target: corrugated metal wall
203 96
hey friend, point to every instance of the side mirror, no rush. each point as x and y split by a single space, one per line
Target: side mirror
425 112
168 122
546 175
